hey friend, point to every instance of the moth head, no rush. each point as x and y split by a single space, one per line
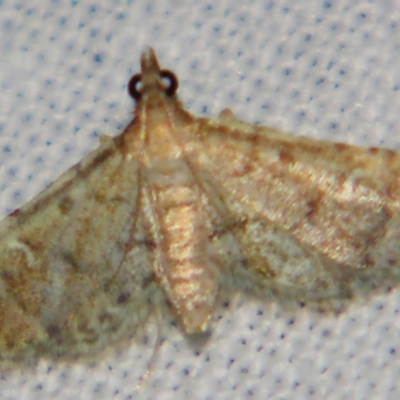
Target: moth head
152 78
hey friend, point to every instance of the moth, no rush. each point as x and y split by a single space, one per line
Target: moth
177 210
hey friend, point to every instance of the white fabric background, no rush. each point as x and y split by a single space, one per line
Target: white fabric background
327 69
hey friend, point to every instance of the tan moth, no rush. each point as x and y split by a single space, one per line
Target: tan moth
176 210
